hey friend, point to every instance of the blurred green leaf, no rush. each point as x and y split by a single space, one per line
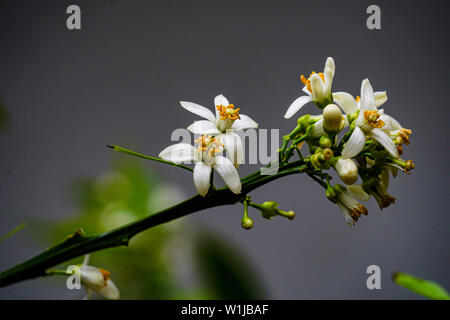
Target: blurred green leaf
154 265
422 287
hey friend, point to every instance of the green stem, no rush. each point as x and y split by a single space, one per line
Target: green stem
133 153
58 272
79 244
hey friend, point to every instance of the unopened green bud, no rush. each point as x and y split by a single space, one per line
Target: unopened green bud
287 214
303 120
339 188
246 223
327 153
352 117
325 142
268 209
331 194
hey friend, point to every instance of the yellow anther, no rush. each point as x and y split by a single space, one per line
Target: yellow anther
105 274
228 112
307 82
209 144
404 135
372 118
358 98
409 165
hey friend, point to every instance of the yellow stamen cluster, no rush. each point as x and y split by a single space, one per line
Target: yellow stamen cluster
105 274
356 214
228 112
372 118
402 137
307 82
209 144
358 98
409 165
404 134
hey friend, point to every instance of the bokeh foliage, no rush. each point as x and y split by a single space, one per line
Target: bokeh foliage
178 260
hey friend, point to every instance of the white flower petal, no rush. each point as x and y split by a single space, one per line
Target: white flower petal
345 101
358 192
367 99
386 141
354 144
328 72
317 87
380 97
317 130
220 100
390 124
305 90
244 123
233 146
198 110
86 259
346 214
203 127
110 291
297 105
202 176
228 173
395 125
91 278
180 152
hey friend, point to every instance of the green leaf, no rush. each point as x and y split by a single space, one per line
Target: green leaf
423 287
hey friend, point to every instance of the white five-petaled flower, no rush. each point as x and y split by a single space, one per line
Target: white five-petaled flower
369 122
223 125
97 279
317 87
207 157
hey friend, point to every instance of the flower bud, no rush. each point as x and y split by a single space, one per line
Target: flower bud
347 170
332 118
327 153
331 194
325 142
246 223
268 209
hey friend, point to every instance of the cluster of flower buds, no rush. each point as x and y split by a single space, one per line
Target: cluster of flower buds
268 209
371 148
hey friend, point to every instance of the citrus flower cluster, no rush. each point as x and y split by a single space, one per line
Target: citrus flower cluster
352 138
371 149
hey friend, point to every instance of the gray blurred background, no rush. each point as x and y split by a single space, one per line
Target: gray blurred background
118 80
